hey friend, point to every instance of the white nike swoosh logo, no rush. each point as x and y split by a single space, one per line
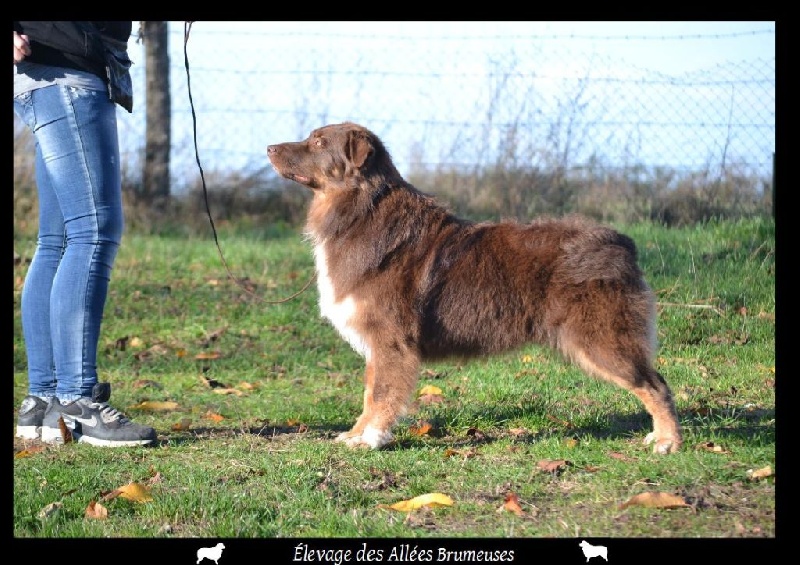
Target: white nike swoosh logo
87 421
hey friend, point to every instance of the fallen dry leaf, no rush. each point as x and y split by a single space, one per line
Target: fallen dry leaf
28 452
155 406
762 473
511 504
182 426
96 511
429 389
233 391
66 433
205 356
618 455
136 492
656 500
213 416
155 478
553 466
435 499
712 447
156 349
111 495
465 453
420 429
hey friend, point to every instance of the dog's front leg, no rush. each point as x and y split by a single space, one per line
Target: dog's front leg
389 381
353 436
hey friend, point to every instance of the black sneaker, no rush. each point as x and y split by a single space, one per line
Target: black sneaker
31 416
91 420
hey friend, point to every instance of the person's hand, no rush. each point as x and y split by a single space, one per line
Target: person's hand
21 47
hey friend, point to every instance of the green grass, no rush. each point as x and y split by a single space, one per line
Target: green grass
263 464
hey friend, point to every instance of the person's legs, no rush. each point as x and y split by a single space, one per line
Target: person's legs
81 221
35 304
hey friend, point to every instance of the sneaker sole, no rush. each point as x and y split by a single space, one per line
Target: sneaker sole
53 436
113 443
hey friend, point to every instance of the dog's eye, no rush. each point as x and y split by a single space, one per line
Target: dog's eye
319 142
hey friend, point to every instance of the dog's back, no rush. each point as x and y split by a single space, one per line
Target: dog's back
490 287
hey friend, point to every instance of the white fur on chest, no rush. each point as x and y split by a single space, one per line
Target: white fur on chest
341 312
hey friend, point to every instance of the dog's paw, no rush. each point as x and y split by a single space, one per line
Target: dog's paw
350 439
372 438
663 445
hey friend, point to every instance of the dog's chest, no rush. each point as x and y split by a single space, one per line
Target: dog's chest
341 312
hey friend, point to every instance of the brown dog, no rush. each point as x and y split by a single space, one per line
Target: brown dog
405 281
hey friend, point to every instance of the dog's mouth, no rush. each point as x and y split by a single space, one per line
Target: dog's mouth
299 178
306 181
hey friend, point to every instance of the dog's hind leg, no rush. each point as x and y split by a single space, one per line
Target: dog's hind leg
648 385
608 329
657 398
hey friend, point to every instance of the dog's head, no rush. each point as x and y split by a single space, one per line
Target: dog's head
337 155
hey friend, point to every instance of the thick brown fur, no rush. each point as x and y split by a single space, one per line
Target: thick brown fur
405 281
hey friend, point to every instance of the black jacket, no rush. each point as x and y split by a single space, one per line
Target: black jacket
72 44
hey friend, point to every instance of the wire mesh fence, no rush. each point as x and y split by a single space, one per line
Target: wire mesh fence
488 97
465 100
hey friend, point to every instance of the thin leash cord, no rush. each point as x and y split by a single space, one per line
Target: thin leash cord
187 27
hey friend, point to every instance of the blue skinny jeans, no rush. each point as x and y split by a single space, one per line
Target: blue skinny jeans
80 227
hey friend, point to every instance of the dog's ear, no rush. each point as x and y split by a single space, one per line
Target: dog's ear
358 148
